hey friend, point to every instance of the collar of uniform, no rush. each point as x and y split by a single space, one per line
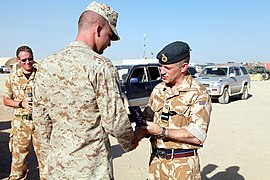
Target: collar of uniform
184 86
33 74
79 44
19 72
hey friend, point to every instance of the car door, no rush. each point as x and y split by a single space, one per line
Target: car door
238 78
232 80
138 87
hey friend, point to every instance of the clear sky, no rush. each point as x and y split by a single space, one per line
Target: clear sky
216 30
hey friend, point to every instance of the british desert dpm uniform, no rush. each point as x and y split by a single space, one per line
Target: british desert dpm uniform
18 87
187 106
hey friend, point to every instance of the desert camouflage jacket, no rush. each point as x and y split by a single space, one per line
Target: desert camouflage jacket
77 104
17 86
189 107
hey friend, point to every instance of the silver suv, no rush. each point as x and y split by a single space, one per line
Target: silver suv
222 82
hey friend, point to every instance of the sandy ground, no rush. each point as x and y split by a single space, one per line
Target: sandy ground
237 147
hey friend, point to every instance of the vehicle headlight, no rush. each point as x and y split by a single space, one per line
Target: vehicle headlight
215 84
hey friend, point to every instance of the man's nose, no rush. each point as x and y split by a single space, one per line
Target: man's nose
162 71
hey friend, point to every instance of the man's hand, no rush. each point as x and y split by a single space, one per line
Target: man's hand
28 105
140 132
152 128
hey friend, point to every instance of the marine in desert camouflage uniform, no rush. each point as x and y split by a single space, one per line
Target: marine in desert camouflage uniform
78 102
180 110
18 86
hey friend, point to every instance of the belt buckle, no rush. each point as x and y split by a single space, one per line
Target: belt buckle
27 117
161 153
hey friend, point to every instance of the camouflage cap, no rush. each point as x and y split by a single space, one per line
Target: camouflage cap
173 52
108 13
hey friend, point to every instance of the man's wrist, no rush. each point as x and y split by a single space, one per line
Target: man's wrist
163 133
21 104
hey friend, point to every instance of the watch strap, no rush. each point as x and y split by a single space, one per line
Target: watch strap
20 104
162 135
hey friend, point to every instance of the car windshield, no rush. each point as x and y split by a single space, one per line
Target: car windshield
214 71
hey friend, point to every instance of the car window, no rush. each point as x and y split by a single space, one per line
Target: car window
123 74
192 70
140 74
231 70
214 71
154 73
244 70
237 72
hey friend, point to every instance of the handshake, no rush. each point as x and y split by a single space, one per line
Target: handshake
143 128
137 116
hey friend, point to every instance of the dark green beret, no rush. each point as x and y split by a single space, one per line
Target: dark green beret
173 52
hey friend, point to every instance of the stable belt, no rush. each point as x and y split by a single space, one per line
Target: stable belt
174 153
26 117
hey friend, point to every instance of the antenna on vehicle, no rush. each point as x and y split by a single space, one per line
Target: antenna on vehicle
144 46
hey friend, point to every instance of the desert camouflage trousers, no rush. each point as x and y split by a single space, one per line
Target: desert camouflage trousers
22 133
186 168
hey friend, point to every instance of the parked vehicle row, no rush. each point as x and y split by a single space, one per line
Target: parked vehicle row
221 82
4 69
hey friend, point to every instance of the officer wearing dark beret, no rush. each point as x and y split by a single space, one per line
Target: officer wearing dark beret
178 115
174 52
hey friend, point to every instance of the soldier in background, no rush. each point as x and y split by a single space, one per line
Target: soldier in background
18 94
78 102
180 110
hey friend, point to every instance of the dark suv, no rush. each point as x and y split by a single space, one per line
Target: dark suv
137 82
192 70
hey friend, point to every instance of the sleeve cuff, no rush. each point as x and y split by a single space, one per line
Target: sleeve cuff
197 132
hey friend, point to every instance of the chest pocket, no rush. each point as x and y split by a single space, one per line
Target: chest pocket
181 115
18 90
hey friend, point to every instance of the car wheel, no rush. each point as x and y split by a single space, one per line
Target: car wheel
225 97
265 76
244 95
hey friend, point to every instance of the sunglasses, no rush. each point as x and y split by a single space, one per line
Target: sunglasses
25 59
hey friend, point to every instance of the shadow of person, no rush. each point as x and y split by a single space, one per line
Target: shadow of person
231 173
117 151
5 125
207 170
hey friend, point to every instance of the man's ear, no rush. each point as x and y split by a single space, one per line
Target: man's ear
98 30
18 60
185 67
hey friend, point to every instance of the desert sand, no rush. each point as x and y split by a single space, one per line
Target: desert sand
237 146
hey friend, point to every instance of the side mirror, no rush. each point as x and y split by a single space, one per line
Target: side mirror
232 74
134 80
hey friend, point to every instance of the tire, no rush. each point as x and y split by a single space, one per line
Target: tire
266 76
244 94
225 97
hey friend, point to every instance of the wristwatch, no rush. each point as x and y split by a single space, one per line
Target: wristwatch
162 135
20 104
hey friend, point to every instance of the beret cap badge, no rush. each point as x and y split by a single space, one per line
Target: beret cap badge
164 58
